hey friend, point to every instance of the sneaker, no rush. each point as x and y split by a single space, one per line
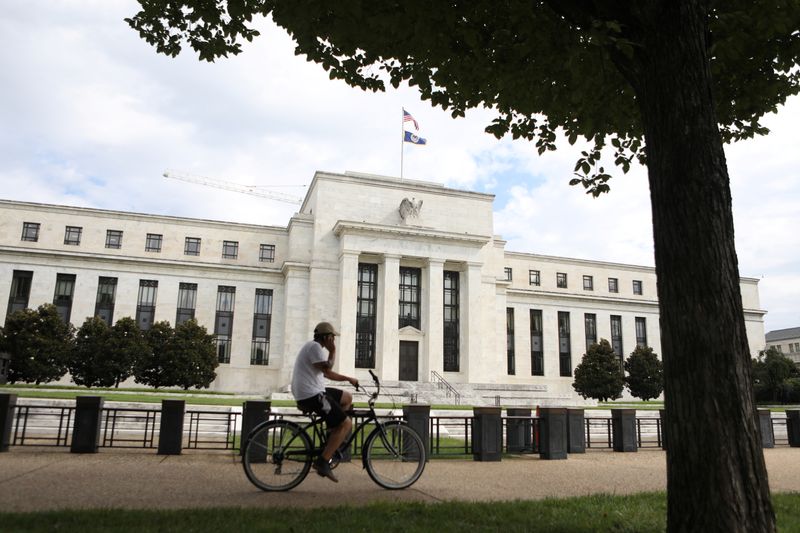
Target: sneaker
324 469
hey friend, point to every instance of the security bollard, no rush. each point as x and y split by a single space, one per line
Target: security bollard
254 412
170 434
487 434
519 431
576 435
7 404
765 424
552 433
623 428
86 429
418 417
793 427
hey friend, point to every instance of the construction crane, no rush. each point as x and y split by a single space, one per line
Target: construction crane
236 187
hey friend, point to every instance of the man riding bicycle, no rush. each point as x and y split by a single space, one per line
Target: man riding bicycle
308 388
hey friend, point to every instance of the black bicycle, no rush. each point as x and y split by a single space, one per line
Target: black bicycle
278 453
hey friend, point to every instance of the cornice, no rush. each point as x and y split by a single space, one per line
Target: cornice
346 227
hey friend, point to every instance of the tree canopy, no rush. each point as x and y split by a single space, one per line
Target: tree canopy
599 375
645 379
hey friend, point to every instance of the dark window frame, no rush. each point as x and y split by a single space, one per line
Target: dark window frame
588 283
146 303
20 293
410 298
106 299
223 322
561 280
262 319
187 302
230 249
537 339
564 345
30 231
113 239
613 285
72 235
637 287
366 315
590 329
508 273
640 324
64 295
451 323
153 242
534 277
266 253
616 337
510 352
192 245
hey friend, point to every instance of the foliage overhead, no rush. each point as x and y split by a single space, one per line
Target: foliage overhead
645 378
39 343
544 66
599 374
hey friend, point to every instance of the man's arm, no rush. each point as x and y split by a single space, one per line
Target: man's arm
327 366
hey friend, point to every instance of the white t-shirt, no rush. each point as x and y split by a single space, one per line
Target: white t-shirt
307 380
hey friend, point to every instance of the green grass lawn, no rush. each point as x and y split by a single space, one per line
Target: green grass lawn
600 513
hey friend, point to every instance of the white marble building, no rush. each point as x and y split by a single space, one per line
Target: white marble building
411 272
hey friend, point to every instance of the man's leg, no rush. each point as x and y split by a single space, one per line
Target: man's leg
336 438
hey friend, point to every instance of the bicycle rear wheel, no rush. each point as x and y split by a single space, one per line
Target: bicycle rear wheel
277 455
395 457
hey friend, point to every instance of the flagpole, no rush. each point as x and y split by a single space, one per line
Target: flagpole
402 139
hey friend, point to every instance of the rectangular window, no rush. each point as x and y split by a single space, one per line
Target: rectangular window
366 315
153 242
637 287
187 302
588 283
262 324
561 280
65 289
410 297
72 235
590 326
451 322
616 336
113 239
510 341
230 249
613 285
641 331
30 231
266 253
191 246
508 273
20 291
537 350
146 303
564 347
106 297
534 277
223 322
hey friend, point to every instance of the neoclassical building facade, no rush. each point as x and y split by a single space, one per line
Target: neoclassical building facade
411 273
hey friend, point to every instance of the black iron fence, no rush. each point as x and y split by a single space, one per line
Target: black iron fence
449 435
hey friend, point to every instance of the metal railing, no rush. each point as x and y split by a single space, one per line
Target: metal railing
443 384
42 426
213 430
129 428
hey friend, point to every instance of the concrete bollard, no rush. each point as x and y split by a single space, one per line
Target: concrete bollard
487 434
86 428
623 428
553 433
576 435
170 434
7 404
519 432
418 417
254 412
765 425
793 427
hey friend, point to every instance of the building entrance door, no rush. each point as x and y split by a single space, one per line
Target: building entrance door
409 361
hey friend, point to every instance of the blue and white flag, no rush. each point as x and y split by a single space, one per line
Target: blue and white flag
413 139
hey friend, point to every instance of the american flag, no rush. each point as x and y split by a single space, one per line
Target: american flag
408 118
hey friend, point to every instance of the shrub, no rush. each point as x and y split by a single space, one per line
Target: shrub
39 344
645 379
599 375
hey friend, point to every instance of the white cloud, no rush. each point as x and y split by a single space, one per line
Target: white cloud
92 116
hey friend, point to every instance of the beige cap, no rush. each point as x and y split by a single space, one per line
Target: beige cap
325 328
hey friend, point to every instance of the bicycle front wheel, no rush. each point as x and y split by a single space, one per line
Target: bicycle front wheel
277 455
394 455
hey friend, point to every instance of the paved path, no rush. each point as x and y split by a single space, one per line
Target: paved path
36 479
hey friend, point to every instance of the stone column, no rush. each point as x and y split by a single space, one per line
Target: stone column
387 340
471 339
348 297
432 316
295 323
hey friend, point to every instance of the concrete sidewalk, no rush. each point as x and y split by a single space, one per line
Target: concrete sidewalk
36 479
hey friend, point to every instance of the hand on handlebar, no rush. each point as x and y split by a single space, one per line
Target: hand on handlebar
353 382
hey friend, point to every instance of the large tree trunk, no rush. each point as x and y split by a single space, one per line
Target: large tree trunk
716 476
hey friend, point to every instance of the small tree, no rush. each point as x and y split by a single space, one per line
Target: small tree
193 356
599 375
645 379
128 345
771 371
152 368
91 360
39 343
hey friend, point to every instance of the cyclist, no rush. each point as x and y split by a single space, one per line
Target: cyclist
308 388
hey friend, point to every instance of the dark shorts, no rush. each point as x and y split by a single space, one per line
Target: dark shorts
327 405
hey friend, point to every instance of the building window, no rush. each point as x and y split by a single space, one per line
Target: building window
20 291
230 249
613 285
561 280
641 331
262 324
637 287
616 336
146 303
30 231
366 314
65 289
537 351
191 246
106 296
223 322
72 235
588 283
508 273
409 297
534 277
510 341
113 239
590 326
451 323
266 253
187 302
153 242
564 347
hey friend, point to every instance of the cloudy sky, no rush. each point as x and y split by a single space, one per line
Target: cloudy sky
91 116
